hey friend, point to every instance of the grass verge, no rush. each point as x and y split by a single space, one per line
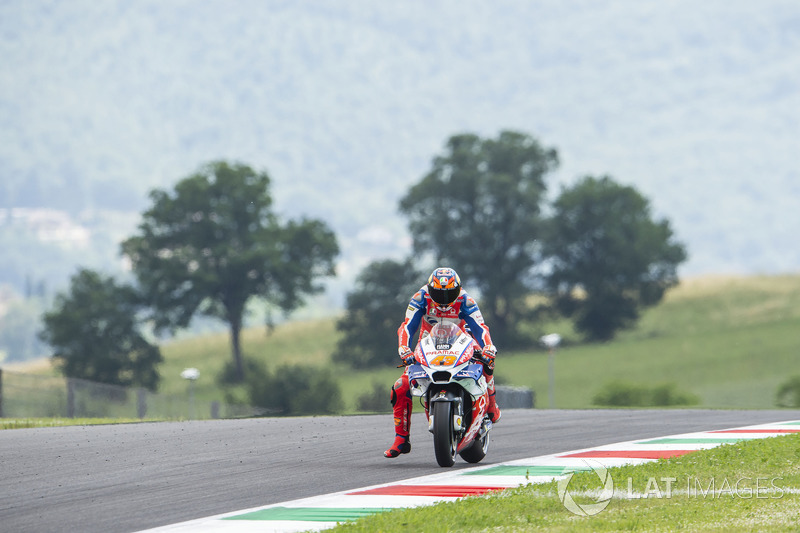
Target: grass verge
748 486
22 423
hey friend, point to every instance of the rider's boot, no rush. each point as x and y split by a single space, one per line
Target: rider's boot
493 411
401 403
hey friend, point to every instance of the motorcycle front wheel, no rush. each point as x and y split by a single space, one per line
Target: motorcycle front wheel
475 452
444 439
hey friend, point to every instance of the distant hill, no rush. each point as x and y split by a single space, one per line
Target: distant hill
346 103
730 340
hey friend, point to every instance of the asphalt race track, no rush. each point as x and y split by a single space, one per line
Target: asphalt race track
125 478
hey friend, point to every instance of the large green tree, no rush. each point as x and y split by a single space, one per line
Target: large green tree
214 242
94 329
479 211
608 257
374 310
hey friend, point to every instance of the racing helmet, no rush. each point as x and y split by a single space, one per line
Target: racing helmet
444 286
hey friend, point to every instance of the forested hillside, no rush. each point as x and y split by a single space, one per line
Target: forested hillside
345 105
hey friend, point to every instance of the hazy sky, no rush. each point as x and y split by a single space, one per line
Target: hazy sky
345 104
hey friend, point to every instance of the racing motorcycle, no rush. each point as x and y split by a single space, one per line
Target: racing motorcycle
453 391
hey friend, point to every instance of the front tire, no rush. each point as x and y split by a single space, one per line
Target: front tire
444 439
475 452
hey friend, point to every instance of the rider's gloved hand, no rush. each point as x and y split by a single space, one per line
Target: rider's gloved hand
406 355
488 354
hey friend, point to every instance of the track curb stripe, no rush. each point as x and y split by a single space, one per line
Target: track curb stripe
765 431
722 440
315 514
446 491
629 454
532 470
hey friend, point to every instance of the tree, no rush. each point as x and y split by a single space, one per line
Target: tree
295 390
214 243
478 211
95 332
608 257
374 311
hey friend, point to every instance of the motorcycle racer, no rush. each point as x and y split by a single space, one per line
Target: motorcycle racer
442 299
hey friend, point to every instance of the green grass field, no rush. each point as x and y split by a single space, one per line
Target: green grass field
25 423
728 340
731 341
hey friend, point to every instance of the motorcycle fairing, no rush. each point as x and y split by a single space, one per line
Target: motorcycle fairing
473 371
416 372
479 408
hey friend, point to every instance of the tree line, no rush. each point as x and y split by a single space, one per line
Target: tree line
595 253
214 242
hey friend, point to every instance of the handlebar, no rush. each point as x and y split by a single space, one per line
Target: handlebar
478 356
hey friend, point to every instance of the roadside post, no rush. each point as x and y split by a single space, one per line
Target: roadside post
552 341
191 375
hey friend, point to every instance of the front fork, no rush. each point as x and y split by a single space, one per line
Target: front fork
457 410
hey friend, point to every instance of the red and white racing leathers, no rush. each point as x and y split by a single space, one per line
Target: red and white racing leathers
422 314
